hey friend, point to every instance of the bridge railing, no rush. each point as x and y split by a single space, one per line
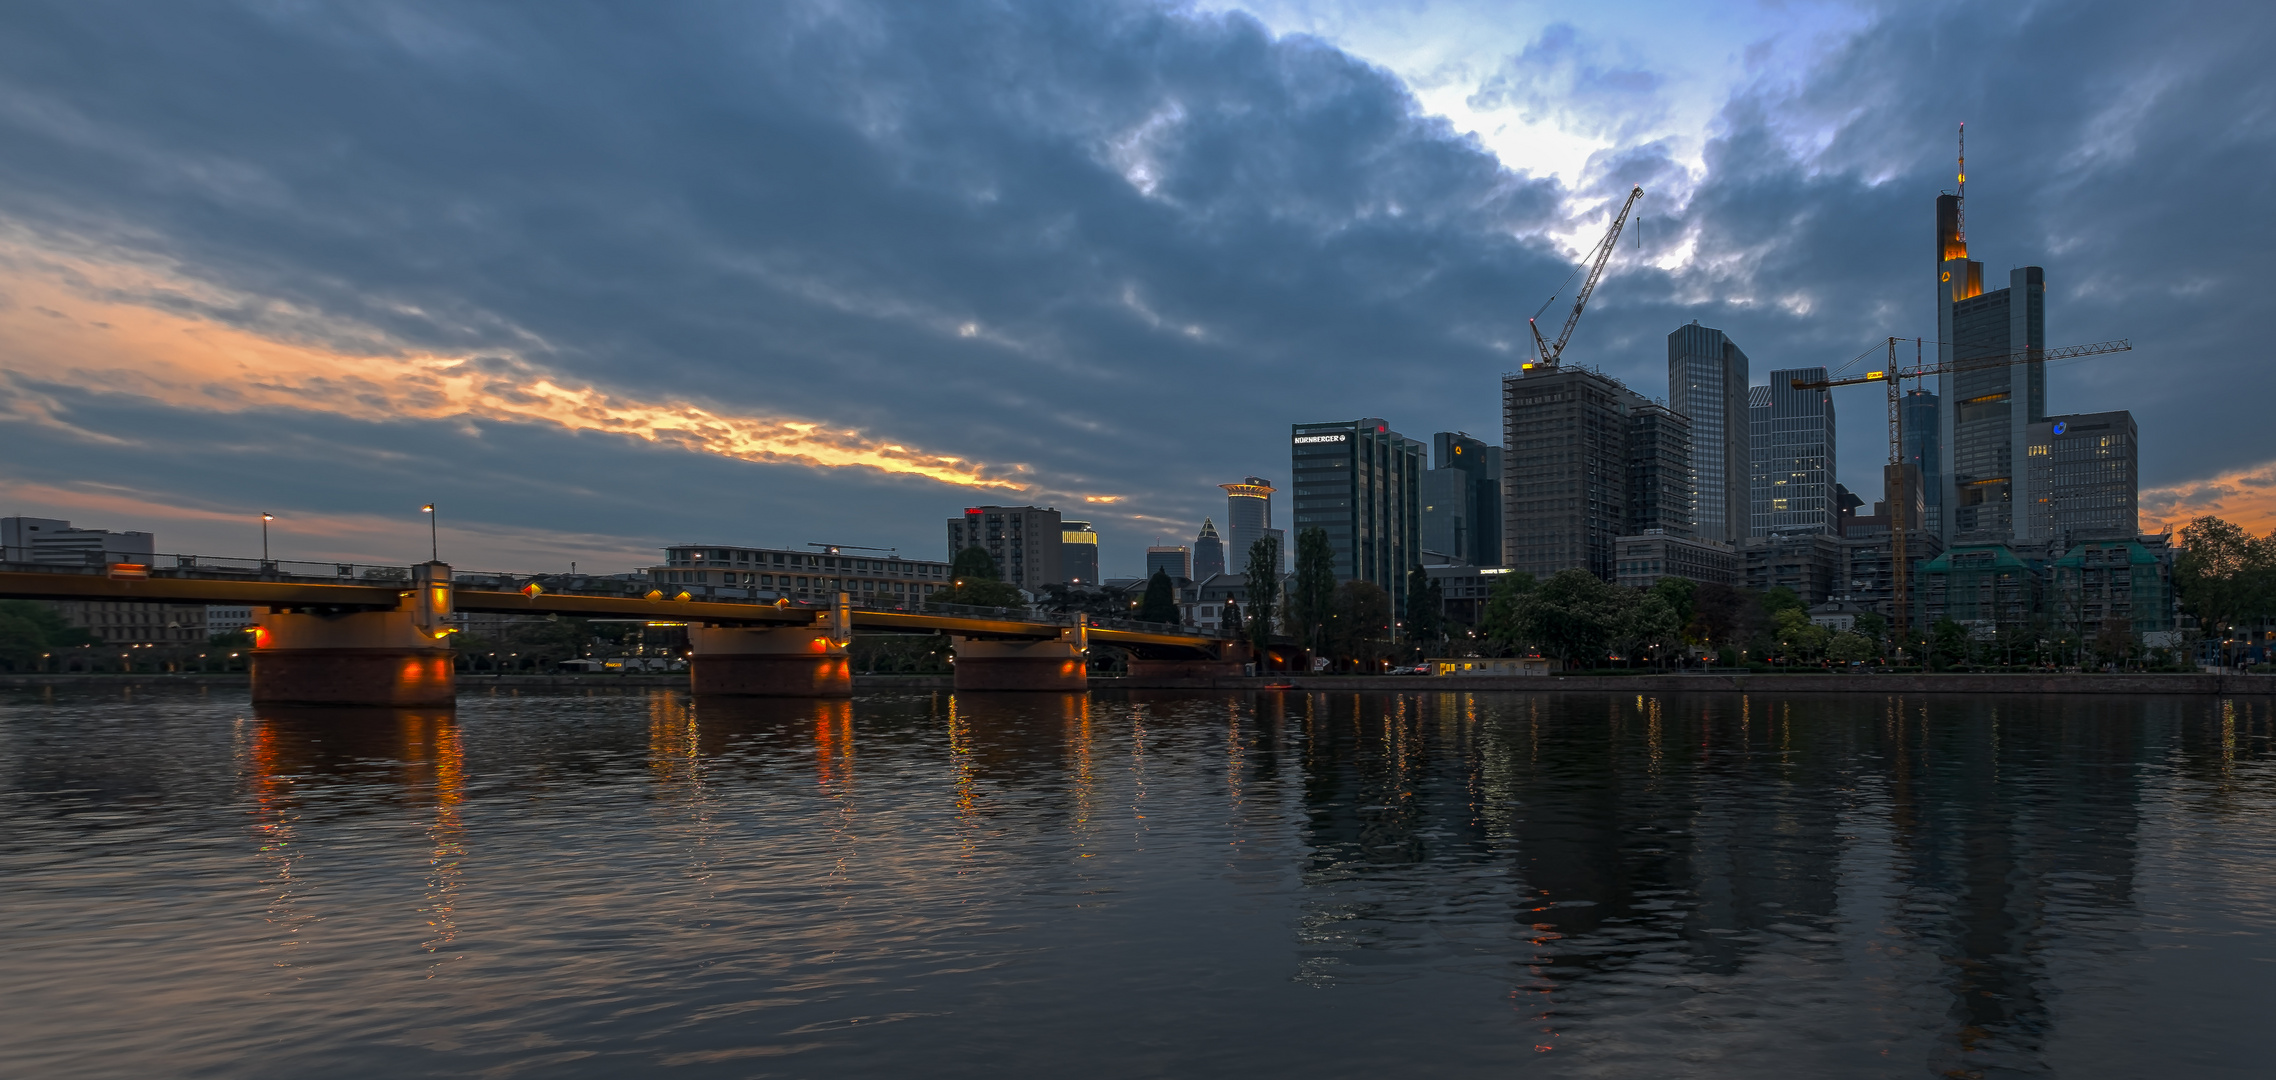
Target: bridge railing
224 567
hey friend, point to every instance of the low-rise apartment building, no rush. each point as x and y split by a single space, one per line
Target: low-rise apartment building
813 576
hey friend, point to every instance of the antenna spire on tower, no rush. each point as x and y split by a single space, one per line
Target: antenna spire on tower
1961 233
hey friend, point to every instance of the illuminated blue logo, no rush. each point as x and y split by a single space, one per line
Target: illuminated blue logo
2061 427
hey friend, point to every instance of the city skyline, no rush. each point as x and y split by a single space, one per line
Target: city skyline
685 352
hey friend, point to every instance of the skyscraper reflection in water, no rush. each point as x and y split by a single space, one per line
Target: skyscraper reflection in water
1157 883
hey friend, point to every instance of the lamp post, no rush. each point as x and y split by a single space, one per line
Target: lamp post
266 517
434 541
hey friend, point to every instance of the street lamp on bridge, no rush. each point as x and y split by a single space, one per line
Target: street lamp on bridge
434 543
266 517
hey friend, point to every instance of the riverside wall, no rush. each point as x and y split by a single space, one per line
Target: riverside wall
2131 684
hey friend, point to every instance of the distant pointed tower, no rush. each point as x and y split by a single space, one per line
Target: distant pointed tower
1208 552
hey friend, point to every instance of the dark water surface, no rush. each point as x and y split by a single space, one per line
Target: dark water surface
1139 885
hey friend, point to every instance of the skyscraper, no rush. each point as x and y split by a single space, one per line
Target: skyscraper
1572 443
1362 483
2084 478
1707 383
1791 442
1462 499
1446 525
1175 561
1917 427
1025 541
1248 517
1985 413
1078 552
1208 552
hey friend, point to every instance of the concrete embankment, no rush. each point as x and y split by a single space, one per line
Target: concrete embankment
2148 685
674 680
2145 685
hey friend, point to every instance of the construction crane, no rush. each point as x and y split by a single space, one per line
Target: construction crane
1891 377
1548 354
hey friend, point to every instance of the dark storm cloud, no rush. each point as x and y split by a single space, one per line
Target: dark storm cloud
2125 148
1121 244
1092 238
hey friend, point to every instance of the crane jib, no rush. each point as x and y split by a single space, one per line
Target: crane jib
2024 356
1550 354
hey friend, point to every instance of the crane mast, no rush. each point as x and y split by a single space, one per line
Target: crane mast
1550 354
1890 376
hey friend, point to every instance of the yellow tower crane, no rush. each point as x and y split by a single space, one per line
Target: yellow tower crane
1898 498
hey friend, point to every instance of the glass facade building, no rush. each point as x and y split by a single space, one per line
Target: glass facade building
1362 483
1462 499
1917 432
1987 407
1791 441
1707 383
2084 477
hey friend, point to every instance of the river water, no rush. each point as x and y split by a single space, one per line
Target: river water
1138 885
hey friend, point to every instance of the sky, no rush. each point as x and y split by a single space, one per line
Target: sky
597 278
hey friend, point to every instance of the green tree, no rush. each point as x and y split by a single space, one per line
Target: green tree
1849 647
1648 624
1426 610
1161 602
1681 595
1873 628
29 630
1572 616
1798 638
974 581
981 593
1947 643
2225 576
2115 643
1261 583
1724 618
1780 598
1359 623
1503 634
1311 598
973 564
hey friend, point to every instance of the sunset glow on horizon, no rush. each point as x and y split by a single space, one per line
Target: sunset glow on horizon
121 326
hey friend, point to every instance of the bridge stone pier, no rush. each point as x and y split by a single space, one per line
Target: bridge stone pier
800 661
325 655
1201 669
1015 664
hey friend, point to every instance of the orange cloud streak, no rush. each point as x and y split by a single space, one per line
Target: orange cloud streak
2246 497
402 539
115 324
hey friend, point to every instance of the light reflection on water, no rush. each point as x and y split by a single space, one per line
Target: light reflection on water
1138 884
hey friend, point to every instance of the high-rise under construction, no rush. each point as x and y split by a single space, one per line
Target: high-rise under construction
1585 461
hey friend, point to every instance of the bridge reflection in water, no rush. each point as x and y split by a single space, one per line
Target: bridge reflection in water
1574 883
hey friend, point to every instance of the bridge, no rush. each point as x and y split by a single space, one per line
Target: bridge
382 636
